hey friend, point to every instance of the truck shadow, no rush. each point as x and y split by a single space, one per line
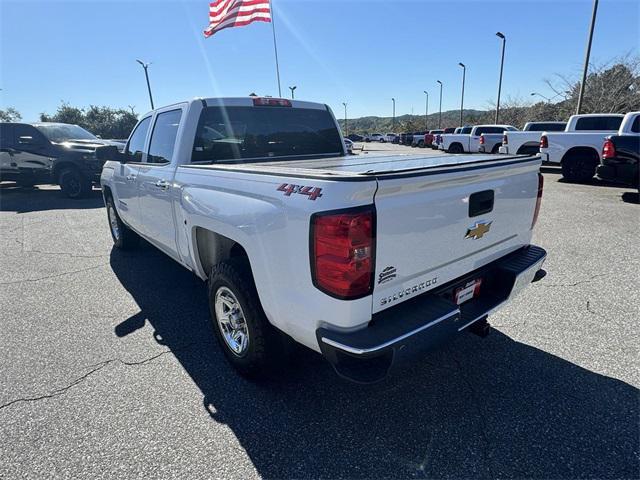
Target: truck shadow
25 200
476 408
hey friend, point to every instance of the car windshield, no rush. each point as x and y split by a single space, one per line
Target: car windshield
231 134
60 132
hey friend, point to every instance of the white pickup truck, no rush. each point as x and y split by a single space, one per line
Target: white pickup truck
577 148
469 143
361 259
527 142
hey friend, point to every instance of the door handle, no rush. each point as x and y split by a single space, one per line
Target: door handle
131 178
163 184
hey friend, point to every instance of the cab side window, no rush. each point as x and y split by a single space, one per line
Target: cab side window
6 136
28 138
163 137
135 147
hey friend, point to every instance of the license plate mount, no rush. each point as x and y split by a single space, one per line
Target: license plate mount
465 293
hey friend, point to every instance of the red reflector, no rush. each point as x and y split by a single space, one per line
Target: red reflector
481 139
608 149
544 142
538 200
342 257
505 139
271 102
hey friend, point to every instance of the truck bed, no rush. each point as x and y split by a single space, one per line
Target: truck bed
363 167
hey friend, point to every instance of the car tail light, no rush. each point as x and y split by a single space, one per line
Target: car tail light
481 139
538 200
343 252
505 139
271 102
608 149
544 142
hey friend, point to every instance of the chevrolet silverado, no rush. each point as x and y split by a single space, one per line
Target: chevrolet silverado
364 260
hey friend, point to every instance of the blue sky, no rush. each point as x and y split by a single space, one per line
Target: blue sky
362 52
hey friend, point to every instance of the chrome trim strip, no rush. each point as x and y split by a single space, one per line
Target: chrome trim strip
361 351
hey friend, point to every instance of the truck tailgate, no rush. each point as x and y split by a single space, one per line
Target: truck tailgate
435 226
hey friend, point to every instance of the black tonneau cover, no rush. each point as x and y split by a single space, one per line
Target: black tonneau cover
363 167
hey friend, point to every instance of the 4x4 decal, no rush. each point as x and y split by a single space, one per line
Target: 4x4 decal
312 192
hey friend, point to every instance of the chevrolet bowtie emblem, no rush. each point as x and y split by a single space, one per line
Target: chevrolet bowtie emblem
478 230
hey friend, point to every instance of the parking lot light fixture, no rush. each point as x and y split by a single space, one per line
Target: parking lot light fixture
145 66
440 111
540 95
426 111
504 41
464 72
292 90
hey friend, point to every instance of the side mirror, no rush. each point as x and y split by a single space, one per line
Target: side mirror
110 153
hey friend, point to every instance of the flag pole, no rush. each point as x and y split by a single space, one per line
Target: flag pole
275 48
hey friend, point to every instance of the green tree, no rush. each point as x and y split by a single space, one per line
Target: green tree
104 121
10 115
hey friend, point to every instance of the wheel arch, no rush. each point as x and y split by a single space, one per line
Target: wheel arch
575 152
58 167
211 248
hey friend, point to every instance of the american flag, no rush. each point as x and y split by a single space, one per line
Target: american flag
236 13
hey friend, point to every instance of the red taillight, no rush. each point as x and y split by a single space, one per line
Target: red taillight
608 149
343 252
481 139
271 102
505 139
538 199
544 142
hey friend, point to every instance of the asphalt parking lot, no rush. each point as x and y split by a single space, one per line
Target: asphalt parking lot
109 368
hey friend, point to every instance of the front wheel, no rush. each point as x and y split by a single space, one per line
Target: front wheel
123 237
249 342
73 184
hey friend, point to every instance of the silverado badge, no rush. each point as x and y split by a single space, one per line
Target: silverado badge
478 230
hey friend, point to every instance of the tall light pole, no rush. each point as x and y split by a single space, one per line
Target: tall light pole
426 111
533 94
504 41
440 112
464 73
587 55
346 128
292 89
393 122
146 74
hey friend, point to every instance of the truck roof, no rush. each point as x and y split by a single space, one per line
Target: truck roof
245 102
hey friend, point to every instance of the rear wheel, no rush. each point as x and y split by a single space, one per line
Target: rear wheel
123 237
421 144
73 183
496 148
455 148
250 343
579 167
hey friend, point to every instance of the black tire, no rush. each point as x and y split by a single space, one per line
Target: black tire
455 148
73 183
421 144
123 237
578 168
266 346
496 148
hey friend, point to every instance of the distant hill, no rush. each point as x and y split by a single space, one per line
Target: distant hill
410 123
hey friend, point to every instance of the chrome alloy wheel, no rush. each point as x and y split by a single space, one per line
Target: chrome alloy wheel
231 321
113 221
